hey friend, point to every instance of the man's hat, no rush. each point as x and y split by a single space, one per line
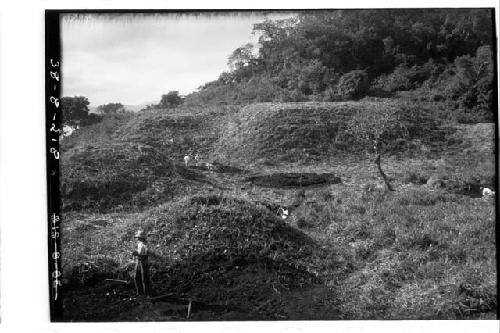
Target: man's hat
140 234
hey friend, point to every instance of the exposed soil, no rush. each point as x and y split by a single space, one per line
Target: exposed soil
121 304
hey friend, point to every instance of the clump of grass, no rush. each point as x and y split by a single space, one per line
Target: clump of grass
409 253
415 177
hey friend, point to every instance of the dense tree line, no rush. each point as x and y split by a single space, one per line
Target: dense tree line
344 54
75 112
445 55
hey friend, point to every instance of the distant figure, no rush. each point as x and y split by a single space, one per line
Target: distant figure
282 212
141 278
209 166
197 157
187 160
486 192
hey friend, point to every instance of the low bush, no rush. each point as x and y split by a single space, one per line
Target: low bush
353 84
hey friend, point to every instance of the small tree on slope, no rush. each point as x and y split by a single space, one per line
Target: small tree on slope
378 131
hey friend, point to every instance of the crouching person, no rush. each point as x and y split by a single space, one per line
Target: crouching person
141 278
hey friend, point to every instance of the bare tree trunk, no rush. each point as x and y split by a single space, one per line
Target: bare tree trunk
384 176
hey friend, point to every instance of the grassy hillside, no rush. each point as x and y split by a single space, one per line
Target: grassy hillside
128 158
133 160
313 131
288 132
348 250
175 132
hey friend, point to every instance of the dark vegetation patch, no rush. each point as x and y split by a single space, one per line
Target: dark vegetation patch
219 167
221 224
294 179
109 175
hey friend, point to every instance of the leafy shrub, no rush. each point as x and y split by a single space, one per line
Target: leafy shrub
170 100
468 84
330 95
406 78
399 79
353 84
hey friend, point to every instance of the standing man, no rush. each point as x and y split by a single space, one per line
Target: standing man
141 278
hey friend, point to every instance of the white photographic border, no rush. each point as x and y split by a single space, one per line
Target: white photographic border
23 199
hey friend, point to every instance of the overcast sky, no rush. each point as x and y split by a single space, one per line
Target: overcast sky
134 59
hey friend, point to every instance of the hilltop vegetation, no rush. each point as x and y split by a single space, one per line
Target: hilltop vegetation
344 54
442 56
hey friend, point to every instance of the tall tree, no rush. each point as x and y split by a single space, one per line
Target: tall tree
74 110
170 100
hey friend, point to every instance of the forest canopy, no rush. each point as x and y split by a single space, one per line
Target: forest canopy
346 54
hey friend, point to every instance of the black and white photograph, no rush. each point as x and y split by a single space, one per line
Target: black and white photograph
275 165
